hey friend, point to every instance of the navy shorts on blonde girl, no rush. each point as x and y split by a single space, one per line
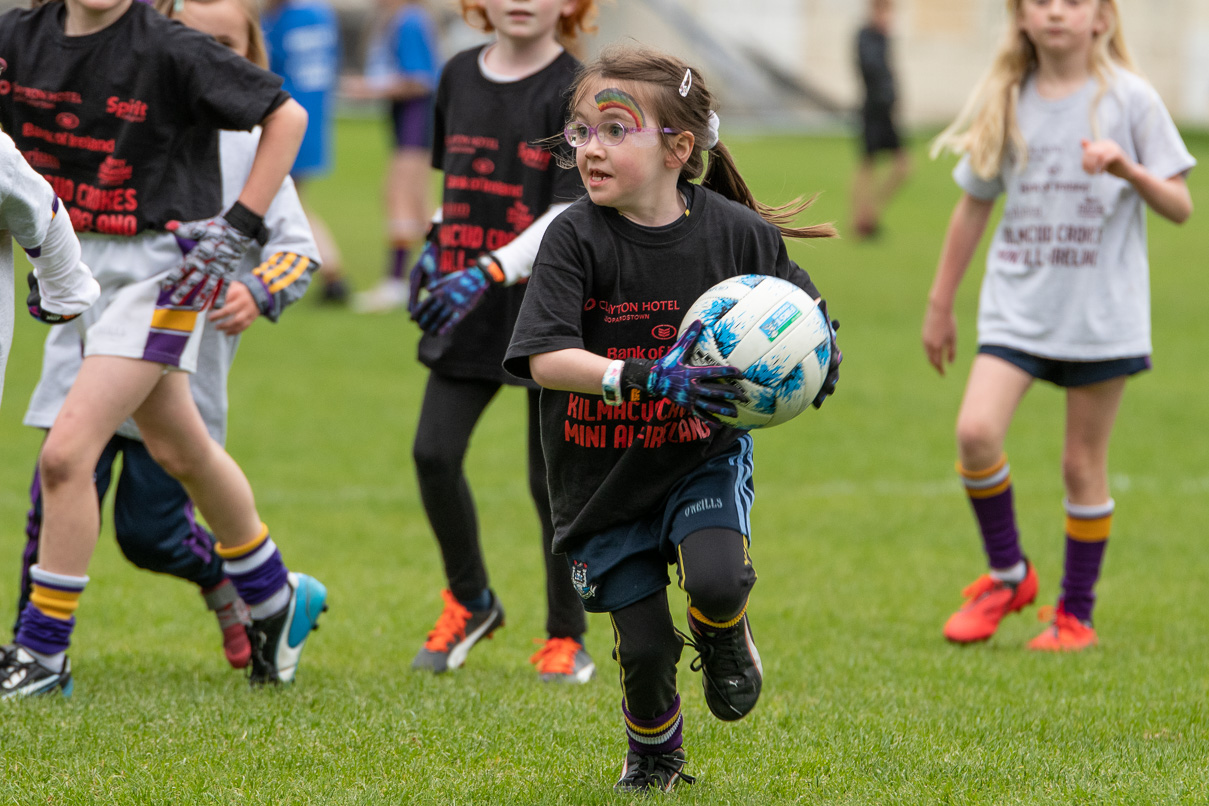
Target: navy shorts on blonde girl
630 562
133 318
1068 373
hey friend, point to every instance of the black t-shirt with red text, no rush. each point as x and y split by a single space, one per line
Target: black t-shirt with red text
500 174
124 122
604 284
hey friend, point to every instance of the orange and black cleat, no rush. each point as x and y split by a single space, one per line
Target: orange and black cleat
988 600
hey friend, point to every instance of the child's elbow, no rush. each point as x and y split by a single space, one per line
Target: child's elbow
537 370
1185 213
289 115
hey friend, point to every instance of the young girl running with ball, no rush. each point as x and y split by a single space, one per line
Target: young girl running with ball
1081 145
126 129
665 485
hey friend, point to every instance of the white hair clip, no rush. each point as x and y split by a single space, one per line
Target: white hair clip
713 122
687 84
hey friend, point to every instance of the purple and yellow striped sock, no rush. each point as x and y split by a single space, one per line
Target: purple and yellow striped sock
258 573
650 737
49 617
1087 530
990 493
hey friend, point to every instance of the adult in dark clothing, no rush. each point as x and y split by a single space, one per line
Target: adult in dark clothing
879 134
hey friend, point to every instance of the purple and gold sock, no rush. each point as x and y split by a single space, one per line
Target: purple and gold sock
49 616
990 493
650 737
1087 530
259 575
399 254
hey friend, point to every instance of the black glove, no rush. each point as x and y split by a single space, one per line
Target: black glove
833 368
34 303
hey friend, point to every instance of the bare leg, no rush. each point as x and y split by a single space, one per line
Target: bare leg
104 394
899 171
408 191
408 210
864 212
1091 412
993 392
176 436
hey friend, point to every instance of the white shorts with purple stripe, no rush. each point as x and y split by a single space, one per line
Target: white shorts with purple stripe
133 319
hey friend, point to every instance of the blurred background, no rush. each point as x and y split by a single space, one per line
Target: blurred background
789 64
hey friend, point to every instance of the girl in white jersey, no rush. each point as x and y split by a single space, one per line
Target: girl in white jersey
144 98
1081 145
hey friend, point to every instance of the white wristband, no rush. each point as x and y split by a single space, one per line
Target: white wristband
610 384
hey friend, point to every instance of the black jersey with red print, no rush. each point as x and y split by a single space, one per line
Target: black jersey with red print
491 140
606 285
124 122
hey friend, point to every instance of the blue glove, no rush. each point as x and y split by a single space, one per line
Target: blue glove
213 249
453 297
33 304
833 367
698 389
424 274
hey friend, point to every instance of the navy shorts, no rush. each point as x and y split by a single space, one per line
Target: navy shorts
628 563
1068 373
412 122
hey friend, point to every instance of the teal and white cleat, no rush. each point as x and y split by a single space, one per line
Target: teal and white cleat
277 641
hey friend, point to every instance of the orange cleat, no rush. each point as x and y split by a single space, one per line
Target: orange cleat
1065 633
988 600
563 660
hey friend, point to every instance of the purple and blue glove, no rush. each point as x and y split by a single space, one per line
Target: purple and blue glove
833 367
213 249
698 389
424 275
456 295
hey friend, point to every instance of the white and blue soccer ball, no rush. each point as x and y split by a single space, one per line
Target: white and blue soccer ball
773 332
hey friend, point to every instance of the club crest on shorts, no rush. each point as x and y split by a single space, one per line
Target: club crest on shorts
579 578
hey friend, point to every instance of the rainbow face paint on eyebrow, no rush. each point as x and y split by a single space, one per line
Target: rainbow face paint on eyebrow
613 98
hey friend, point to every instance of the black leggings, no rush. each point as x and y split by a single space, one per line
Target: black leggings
451 409
717 575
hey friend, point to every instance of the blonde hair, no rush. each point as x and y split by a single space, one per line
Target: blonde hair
987 129
658 78
257 54
582 19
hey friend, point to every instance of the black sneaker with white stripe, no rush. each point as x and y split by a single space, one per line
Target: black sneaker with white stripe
661 771
21 675
730 667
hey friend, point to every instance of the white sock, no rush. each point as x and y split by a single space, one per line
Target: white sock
273 605
1014 575
53 662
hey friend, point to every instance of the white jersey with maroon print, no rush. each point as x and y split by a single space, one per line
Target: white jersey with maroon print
1068 275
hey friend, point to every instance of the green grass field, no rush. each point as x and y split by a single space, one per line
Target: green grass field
862 539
